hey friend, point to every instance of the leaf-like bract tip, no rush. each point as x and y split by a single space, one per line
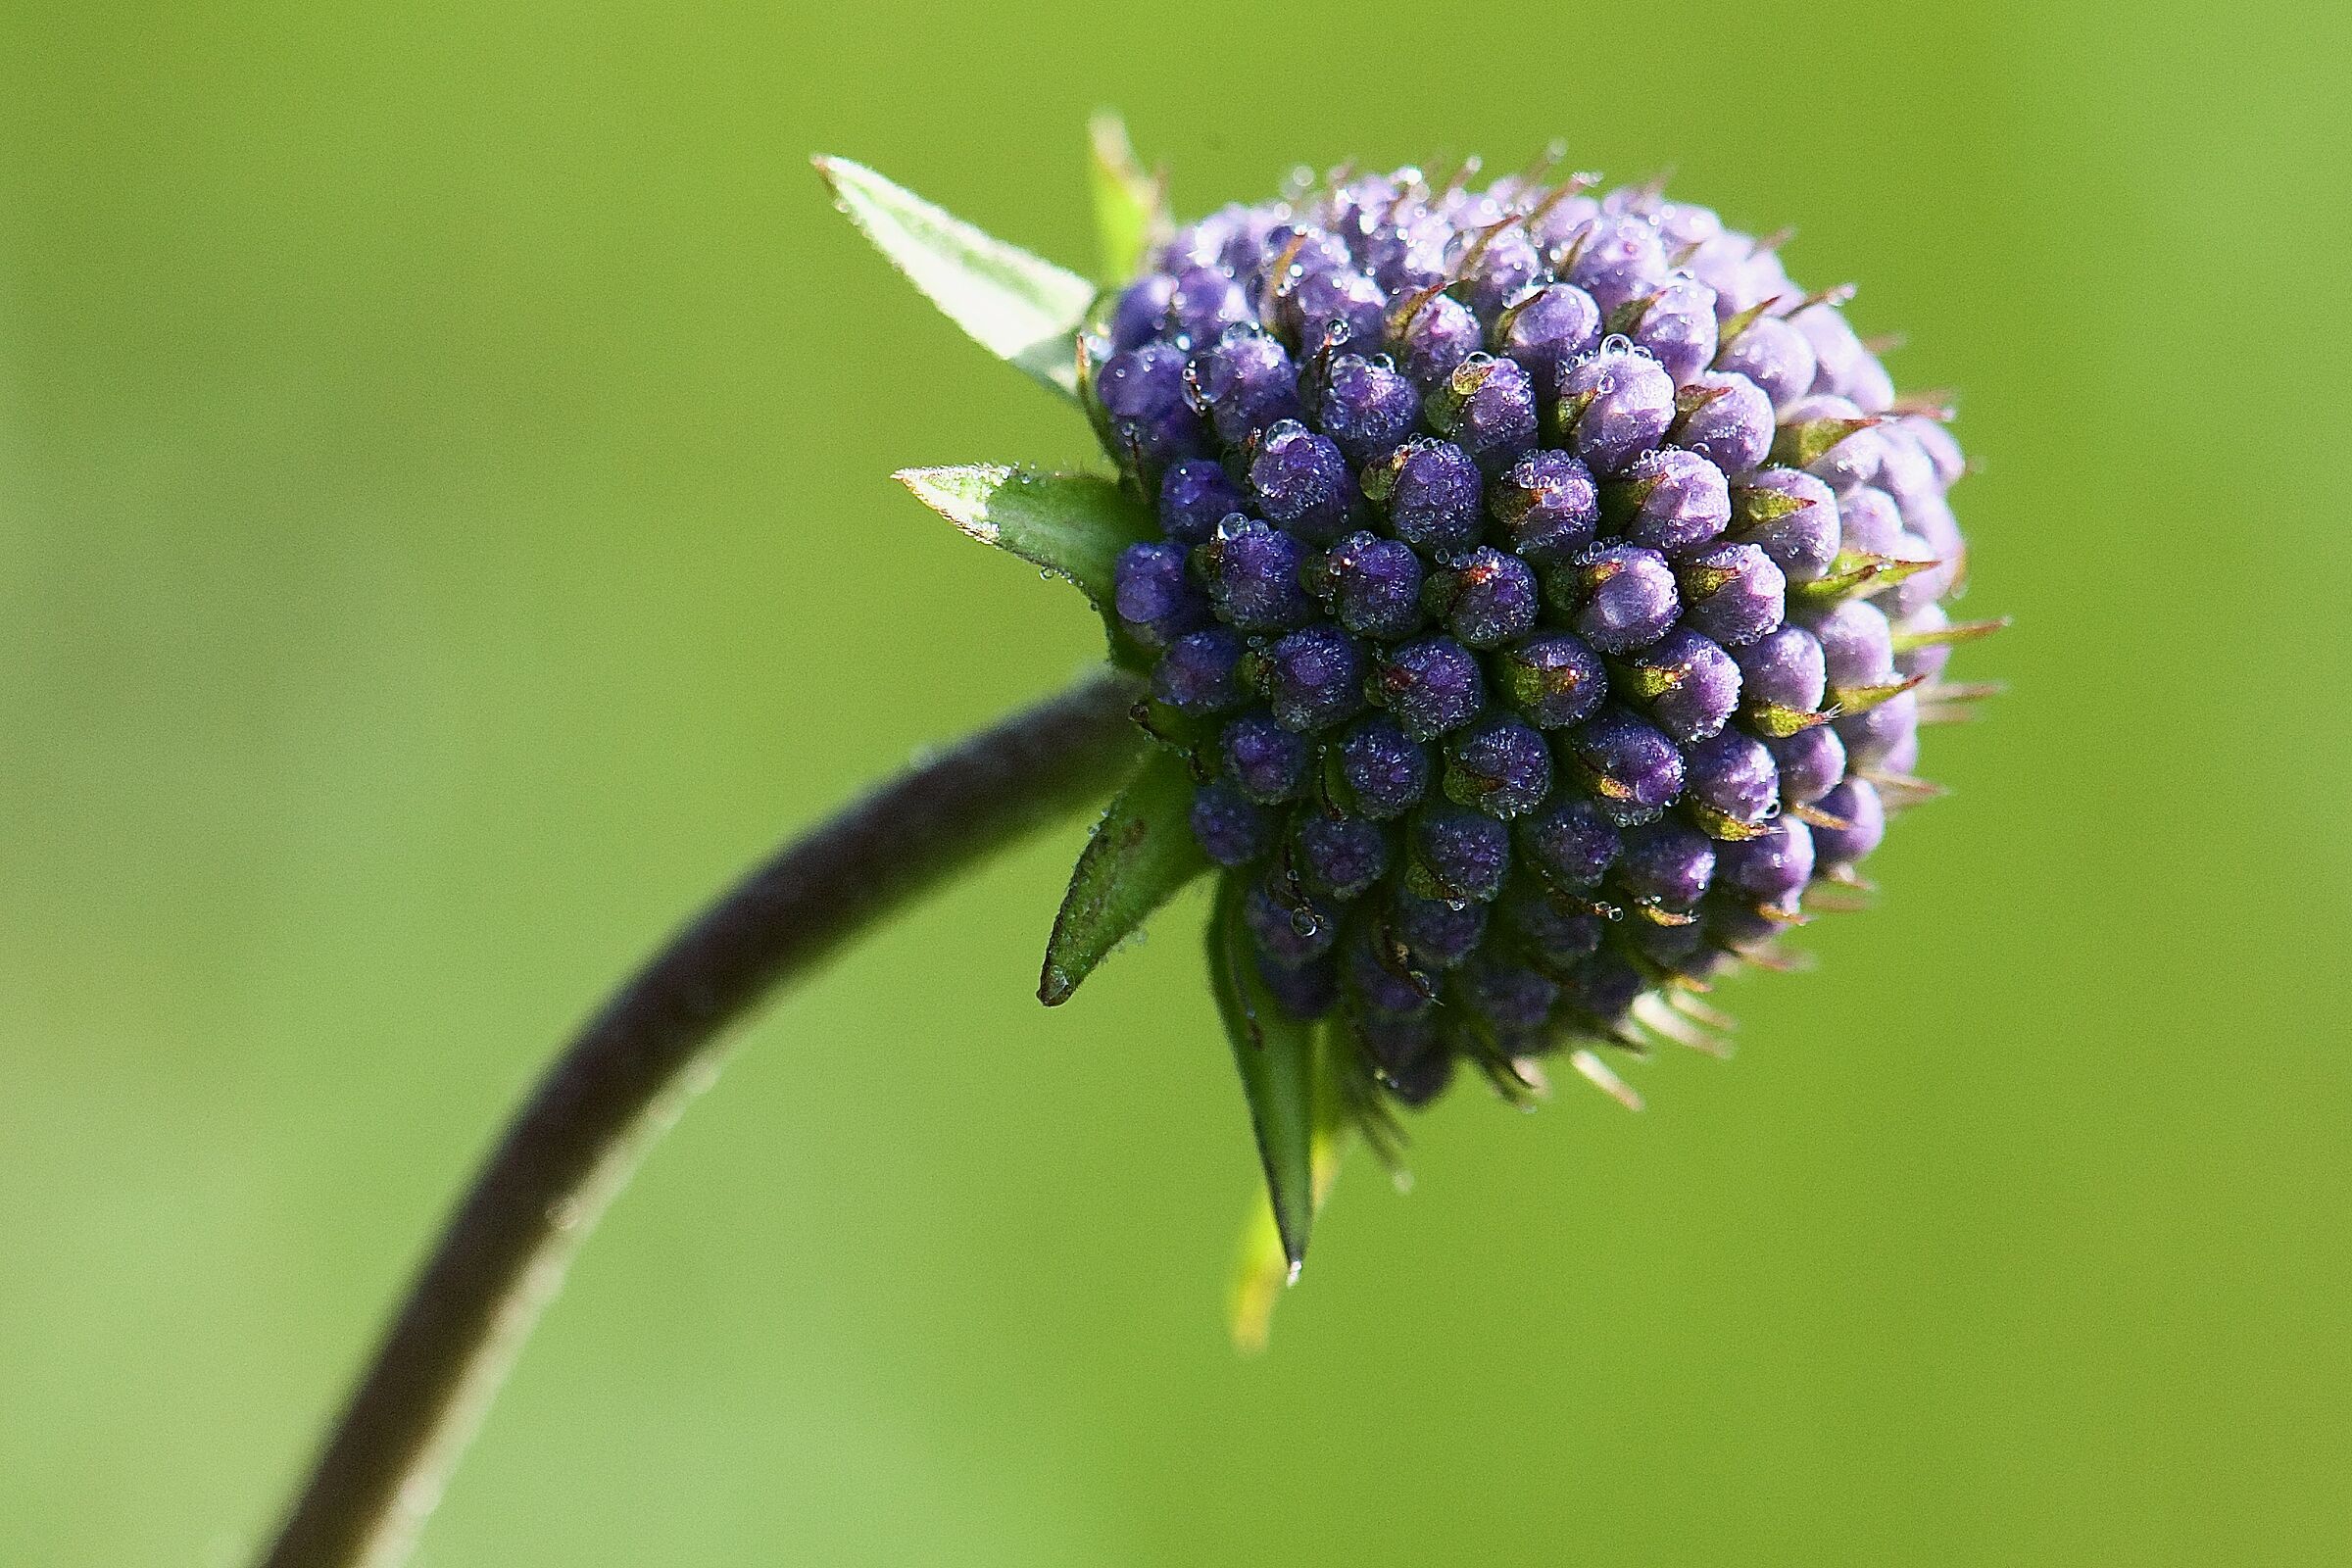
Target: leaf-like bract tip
960 494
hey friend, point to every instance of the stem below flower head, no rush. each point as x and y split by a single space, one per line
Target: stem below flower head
623 1080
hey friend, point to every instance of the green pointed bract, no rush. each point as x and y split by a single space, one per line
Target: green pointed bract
1780 722
1071 524
1854 575
1020 307
1275 1055
1729 331
1141 854
1131 206
1805 443
1962 631
1264 1268
1852 700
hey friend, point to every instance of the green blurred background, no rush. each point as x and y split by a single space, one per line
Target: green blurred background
444 533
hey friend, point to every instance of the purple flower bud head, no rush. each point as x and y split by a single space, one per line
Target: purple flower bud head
1690 685
1142 306
1789 515
1732 594
1200 673
1315 678
1517 1002
1458 855
1487 408
1810 763
1772 868
1233 829
1671 500
1632 771
1724 419
1194 496
1286 928
1857 647
1371 585
1432 492
1253 570
1732 775
1854 802
1774 356
1666 865
1571 844
1368 408
1340 857
1615 259
1437 933
1431 686
1549 506
1156 598
1613 407
1553 678
1677 326
1499 765
1486 601
1244 382
1301 481
1624 597
1386 771
1431 336
1266 762
1784 669
1548 329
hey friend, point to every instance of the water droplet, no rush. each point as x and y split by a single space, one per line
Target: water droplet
1616 343
1304 923
1458 906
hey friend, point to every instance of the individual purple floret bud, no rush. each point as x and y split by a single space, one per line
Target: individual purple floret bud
1430 335
1306 991
1833 440
1244 382
1432 492
1416 1077
1855 803
1690 685
1553 678
1407 252
1367 407
1385 770
1666 865
1615 259
1156 598
1334 309
1857 647
1548 330
1732 783
1430 686
1732 594
1613 407
1371 585
1724 419
1499 767
1773 867
1340 857
1673 945
1559 931
1845 367
1873 736
1265 762
1501 271
1869 523
1233 829
1602 986
1669 500
1487 408
1437 933
1572 843
1790 517
1810 763
1782 673
1143 392
1315 678
1252 571
1676 325
1517 1002
1286 928
1458 855
1618 596
1200 673
1143 305
1381 980
1194 496
1547 505
1300 252
1203 303
1632 771
1486 601
1303 483
1774 356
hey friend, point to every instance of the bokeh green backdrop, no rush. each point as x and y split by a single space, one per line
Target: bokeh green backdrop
443 533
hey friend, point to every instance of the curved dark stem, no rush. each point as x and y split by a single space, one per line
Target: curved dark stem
623 1079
